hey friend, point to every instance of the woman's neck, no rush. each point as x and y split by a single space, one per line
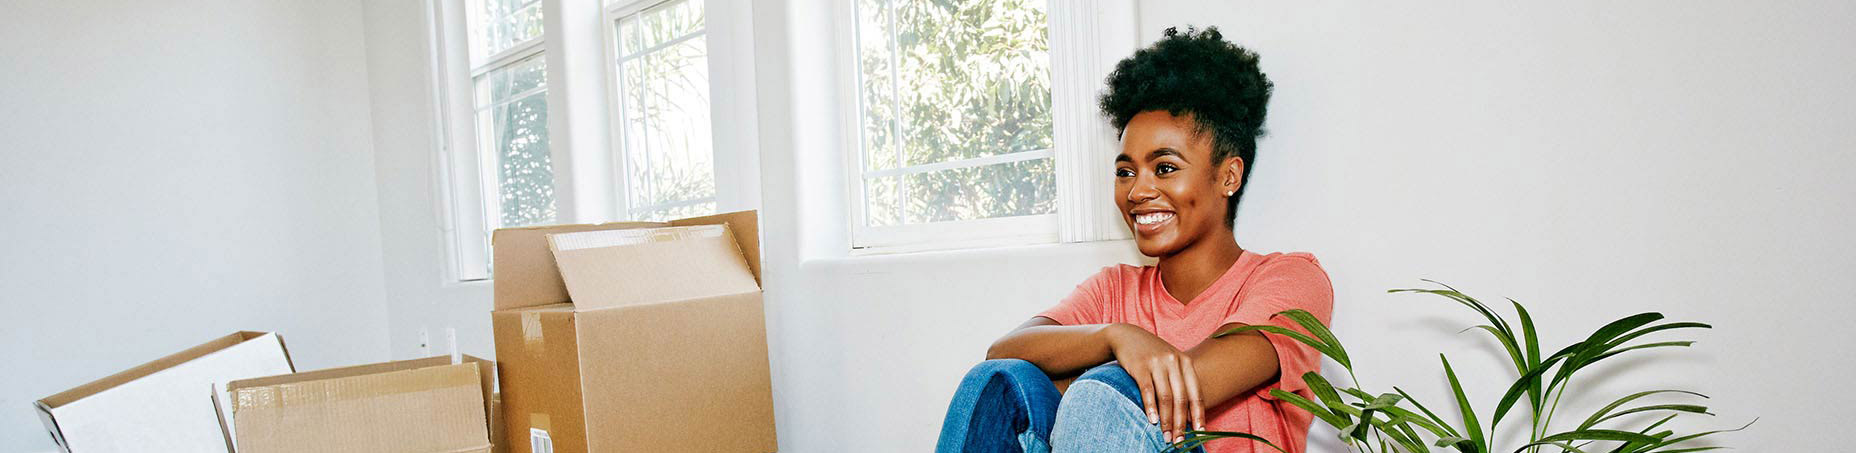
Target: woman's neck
1188 273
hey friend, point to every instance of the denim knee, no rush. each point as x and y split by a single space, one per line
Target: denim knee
1015 367
1004 405
1094 416
1117 378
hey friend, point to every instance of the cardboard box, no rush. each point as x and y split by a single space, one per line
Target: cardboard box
413 406
164 405
635 339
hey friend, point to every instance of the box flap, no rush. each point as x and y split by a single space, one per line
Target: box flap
332 373
746 227
428 408
76 393
525 274
165 405
615 268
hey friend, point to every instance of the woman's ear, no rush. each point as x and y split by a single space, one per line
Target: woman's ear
1231 175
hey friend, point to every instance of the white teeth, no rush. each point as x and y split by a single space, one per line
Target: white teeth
1152 218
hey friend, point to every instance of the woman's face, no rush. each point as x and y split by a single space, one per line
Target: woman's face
1170 191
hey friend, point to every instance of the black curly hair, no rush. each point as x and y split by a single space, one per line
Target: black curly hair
1196 74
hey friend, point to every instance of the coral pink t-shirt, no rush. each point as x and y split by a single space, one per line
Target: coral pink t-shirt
1251 292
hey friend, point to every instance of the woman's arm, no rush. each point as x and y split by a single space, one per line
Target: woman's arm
1057 349
1232 365
1169 390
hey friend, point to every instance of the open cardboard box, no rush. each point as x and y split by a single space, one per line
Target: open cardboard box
164 405
426 405
627 337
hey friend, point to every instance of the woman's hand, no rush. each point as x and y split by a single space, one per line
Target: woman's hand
1169 385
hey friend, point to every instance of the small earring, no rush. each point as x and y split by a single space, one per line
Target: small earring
1230 193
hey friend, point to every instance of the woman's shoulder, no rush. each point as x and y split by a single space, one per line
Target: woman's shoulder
1289 259
1292 265
1119 273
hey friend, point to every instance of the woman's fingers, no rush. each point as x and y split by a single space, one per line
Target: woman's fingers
1146 382
1176 379
1192 392
1163 392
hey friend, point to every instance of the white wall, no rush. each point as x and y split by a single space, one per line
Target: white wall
176 171
1591 159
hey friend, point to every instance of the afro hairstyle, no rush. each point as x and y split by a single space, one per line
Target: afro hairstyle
1200 75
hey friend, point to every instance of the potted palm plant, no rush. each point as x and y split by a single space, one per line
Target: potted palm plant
1396 422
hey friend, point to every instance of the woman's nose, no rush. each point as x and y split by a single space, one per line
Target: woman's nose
1142 190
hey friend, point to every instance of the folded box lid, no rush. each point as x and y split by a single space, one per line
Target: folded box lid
158 406
623 271
424 405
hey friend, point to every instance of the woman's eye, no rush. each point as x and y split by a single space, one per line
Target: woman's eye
1124 173
1164 168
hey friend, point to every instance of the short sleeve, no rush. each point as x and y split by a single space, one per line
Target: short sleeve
1287 282
1085 305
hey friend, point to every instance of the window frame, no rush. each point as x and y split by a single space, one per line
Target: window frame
1087 38
578 45
615 11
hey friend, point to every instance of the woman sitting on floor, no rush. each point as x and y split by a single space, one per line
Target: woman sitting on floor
1131 351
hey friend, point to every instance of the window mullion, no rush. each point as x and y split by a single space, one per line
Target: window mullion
962 163
895 117
573 31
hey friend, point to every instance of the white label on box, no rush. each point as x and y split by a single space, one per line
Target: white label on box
538 441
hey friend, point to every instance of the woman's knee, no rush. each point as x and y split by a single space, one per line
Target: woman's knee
997 366
1112 375
1094 416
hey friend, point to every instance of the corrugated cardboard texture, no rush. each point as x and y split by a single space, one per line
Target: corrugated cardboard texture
688 376
525 272
539 357
745 225
527 276
677 265
401 409
499 441
332 373
164 405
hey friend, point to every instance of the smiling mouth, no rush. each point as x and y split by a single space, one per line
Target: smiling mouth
1152 218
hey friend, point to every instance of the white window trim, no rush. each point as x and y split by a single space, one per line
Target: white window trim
1087 38
580 78
463 225
616 11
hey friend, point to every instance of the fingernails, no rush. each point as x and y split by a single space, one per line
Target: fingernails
1153 419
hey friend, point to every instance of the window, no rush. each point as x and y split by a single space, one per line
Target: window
588 111
665 143
976 121
954 119
510 75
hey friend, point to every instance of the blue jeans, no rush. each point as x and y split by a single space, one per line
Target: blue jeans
1011 406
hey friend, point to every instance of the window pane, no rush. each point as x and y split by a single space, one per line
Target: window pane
1008 189
513 126
877 89
664 91
949 81
659 25
497 25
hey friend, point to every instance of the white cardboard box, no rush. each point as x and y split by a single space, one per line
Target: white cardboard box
164 405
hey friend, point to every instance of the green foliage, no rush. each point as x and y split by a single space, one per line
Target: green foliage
945 81
1371 422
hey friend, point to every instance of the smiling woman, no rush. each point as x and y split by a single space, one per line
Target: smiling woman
1131 349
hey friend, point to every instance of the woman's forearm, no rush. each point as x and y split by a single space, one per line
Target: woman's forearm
1057 349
